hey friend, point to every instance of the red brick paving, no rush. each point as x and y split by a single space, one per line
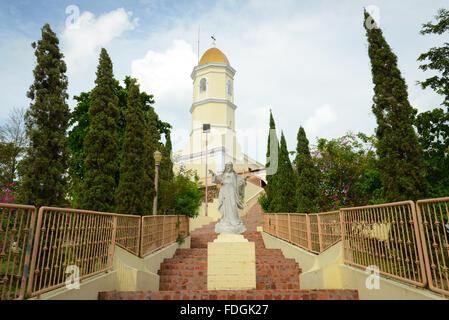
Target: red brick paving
295 294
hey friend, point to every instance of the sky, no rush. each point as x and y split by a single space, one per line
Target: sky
307 61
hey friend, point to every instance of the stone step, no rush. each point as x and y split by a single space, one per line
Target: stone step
261 258
203 251
188 264
292 294
260 253
198 271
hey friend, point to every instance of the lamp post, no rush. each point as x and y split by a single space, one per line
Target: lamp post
157 159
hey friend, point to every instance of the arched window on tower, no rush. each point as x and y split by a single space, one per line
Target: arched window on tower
229 87
203 85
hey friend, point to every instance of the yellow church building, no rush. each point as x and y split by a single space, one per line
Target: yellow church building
213 104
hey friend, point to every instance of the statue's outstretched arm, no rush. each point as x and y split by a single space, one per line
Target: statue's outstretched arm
215 178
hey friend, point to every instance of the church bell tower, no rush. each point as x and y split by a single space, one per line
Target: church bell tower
213 104
213 99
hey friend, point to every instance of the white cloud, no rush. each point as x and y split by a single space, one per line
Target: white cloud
82 40
322 117
167 74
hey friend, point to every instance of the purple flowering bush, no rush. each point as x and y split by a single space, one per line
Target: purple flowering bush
7 193
348 171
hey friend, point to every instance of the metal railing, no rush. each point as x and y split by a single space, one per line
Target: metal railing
42 251
404 241
160 231
433 216
329 229
300 230
16 236
128 232
313 232
385 236
78 242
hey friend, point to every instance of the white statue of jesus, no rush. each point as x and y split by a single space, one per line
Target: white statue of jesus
229 200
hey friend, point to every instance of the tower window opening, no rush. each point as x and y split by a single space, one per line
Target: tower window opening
229 87
203 85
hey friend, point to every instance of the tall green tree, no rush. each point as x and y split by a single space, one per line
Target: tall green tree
152 138
284 199
44 166
433 125
307 189
130 192
80 126
400 154
271 164
166 170
101 144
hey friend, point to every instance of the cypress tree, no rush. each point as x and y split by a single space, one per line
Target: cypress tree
400 154
130 192
152 137
307 191
166 178
271 178
284 195
45 164
166 162
101 143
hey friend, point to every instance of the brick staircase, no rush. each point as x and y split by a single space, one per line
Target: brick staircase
184 276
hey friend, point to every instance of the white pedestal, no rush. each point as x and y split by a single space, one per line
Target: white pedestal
231 263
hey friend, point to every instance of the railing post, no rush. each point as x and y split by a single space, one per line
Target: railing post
421 242
342 231
163 230
277 226
141 236
139 230
37 232
319 232
309 235
29 246
289 229
112 248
